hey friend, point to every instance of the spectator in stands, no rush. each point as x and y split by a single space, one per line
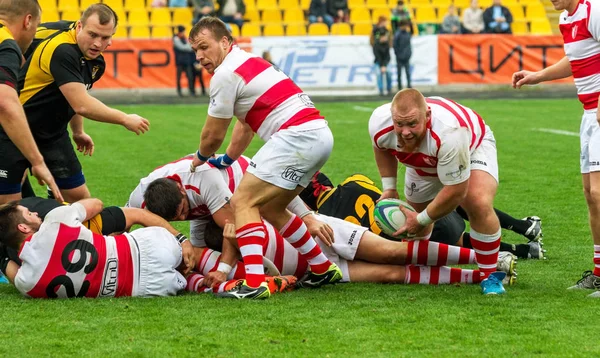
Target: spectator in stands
451 22
197 70
497 19
399 14
318 12
184 59
159 3
381 40
232 11
338 9
266 55
403 51
473 19
178 3
203 8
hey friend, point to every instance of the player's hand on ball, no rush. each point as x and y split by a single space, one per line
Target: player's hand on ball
411 226
319 229
189 258
389 194
137 124
524 78
214 278
84 143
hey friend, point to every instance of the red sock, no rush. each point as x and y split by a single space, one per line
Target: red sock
427 253
296 233
486 251
250 239
439 275
597 260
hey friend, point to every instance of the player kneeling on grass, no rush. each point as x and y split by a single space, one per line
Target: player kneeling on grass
61 258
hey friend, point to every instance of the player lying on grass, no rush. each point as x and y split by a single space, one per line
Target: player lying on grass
176 194
362 256
354 199
61 257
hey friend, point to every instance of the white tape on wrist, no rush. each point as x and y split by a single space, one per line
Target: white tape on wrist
225 268
389 183
423 218
306 213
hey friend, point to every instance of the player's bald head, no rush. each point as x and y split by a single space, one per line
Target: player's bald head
15 9
407 102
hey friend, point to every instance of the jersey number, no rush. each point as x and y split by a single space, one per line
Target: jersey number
84 248
364 205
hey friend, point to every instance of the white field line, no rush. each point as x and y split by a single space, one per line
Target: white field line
556 131
363 109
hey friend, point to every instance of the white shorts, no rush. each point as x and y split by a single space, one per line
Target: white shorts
292 156
589 134
160 255
422 189
347 237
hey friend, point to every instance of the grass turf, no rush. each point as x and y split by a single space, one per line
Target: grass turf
539 175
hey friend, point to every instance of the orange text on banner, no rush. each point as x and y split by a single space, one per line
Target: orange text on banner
492 59
144 64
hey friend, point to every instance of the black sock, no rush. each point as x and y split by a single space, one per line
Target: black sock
462 213
26 189
509 223
466 239
50 194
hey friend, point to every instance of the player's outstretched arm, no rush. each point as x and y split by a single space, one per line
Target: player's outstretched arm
212 136
561 69
387 165
240 140
92 207
89 107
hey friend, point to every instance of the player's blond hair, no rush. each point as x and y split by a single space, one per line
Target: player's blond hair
407 100
105 14
12 9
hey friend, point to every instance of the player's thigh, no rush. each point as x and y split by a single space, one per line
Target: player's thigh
75 194
12 168
360 271
420 189
256 192
292 156
480 194
375 249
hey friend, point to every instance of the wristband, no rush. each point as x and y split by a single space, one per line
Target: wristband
389 183
201 157
227 159
306 214
181 238
225 268
423 218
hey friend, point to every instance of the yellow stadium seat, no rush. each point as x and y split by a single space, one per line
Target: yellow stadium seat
162 32
271 17
267 5
235 30
442 5
70 15
252 15
426 14
47 4
160 17
377 4
341 28
135 4
114 4
68 5
541 27
484 4
517 12
121 33
318 29
375 14
139 32
535 11
138 17
419 3
182 16
293 16
295 30
509 3
50 15
354 4
84 4
525 2
121 18
250 4
288 4
362 29
251 30
360 15
519 27
273 30
304 4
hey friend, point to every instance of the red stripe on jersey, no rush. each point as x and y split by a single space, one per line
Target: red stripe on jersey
418 159
425 174
302 116
589 100
586 66
251 68
382 133
482 125
231 179
177 178
301 267
270 100
125 271
187 157
461 120
96 277
243 164
581 33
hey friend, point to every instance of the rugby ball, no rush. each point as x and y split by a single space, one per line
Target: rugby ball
388 216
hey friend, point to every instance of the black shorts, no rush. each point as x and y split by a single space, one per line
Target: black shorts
449 229
59 156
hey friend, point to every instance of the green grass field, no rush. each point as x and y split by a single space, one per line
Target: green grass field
539 175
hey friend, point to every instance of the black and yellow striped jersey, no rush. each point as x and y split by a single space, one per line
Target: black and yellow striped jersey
11 59
55 61
46 30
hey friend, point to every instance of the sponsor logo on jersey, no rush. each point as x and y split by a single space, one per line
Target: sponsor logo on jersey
574 31
351 240
292 174
412 188
480 162
593 163
111 272
3 173
457 173
252 164
306 100
95 71
212 102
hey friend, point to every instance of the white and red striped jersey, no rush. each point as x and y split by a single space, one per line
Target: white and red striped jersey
64 259
581 33
453 132
207 189
258 94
